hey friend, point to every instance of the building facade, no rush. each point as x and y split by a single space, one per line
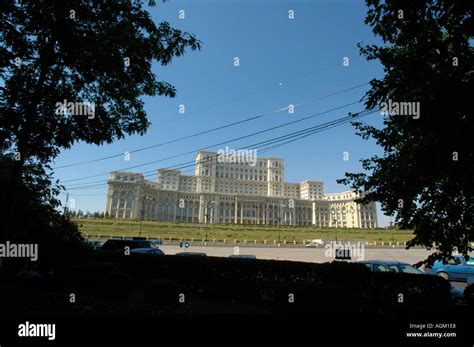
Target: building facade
234 192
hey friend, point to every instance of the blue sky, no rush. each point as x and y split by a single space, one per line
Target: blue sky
282 61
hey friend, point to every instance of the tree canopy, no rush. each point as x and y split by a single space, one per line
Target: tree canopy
425 175
93 51
70 71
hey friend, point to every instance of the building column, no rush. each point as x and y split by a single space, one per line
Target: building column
196 210
235 210
133 208
117 208
354 215
338 219
211 215
124 214
265 214
201 209
189 210
256 213
257 216
174 213
216 210
242 213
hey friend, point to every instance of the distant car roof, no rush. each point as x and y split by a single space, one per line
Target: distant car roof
201 254
130 238
124 239
140 250
458 256
116 244
387 262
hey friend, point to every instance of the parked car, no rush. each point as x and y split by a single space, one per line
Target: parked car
390 266
454 269
315 243
242 256
157 241
191 254
457 293
120 244
150 251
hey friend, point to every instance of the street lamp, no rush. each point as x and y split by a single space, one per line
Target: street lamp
207 217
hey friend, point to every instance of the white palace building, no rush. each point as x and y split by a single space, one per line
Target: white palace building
234 192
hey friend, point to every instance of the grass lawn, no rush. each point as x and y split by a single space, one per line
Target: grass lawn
93 227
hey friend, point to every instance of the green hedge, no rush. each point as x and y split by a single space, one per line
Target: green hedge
265 284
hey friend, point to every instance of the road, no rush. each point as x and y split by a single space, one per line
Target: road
314 255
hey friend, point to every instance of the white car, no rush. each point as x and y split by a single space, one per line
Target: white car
315 243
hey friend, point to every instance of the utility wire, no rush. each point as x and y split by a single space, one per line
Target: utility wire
288 138
213 129
217 144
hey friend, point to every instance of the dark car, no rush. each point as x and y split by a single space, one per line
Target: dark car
120 244
390 266
242 256
457 293
157 241
150 251
191 254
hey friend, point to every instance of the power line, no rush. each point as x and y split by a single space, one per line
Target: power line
213 129
288 138
218 144
293 136
193 163
253 92
255 145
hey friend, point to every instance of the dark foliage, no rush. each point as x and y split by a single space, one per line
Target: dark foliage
144 284
95 53
424 177
469 295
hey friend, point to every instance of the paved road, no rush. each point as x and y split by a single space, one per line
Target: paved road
315 255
